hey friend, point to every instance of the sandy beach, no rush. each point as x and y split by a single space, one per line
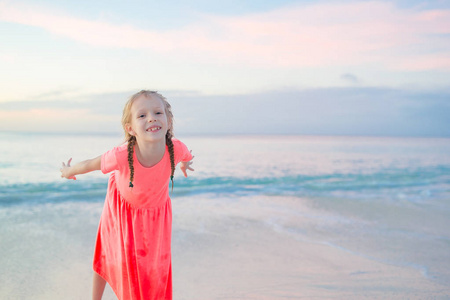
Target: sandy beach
226 249
237 257
222 249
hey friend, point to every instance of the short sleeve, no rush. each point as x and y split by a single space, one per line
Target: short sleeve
182 152
109 161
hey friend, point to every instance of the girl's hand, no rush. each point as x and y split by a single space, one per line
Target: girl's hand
65 171
186 165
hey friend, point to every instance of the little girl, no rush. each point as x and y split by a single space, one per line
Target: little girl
133 248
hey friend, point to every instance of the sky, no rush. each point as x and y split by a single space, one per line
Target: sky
240 67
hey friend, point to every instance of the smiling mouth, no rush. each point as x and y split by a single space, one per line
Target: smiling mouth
156 128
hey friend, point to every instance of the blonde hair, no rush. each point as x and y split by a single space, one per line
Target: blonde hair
126 119
126 115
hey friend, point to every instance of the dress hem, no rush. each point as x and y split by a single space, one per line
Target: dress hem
106 278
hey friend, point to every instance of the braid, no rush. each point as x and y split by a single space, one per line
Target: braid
171 153
131 143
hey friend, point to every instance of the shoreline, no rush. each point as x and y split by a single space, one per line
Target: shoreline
221 249
259 219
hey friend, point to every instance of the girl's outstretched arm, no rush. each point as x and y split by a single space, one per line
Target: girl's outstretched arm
89 165
186 165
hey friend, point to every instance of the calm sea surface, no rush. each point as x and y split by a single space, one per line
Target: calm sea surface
387 199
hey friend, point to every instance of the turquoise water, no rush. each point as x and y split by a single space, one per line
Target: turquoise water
387 199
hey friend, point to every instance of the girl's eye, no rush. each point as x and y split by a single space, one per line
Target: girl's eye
141 116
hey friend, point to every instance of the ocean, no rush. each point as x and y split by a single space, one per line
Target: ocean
385 199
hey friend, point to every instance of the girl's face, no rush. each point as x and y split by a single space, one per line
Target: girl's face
148 119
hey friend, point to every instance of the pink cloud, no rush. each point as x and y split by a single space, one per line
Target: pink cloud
95 33
336 34
420 63
315 35
51 119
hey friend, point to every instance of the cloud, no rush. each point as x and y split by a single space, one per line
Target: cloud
312 35
350 78
59 93
422 62
48 119
326 111
95 33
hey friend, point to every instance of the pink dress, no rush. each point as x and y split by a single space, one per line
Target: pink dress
133 248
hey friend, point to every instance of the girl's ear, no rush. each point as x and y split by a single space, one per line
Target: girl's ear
129 129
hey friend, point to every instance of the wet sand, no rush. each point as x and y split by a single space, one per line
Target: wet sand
235 257
222 249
